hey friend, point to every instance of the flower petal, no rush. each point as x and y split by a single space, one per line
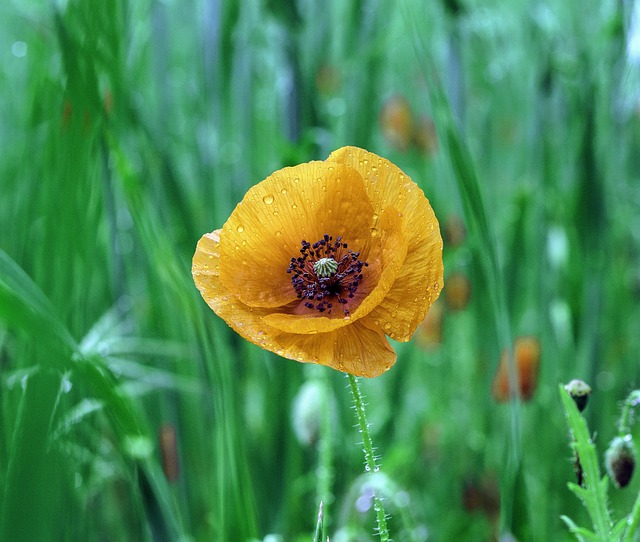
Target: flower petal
265 230
420 281
355 349
247 321
387 254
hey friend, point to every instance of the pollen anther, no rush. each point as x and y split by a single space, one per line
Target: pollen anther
326 272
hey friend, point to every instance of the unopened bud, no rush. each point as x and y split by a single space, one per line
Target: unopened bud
308 406
620 460
580 392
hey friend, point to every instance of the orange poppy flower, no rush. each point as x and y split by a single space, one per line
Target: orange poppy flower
526 352
396 122
321 261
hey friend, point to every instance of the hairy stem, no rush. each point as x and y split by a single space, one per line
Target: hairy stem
370 460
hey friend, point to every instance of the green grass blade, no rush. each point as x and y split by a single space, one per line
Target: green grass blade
24 305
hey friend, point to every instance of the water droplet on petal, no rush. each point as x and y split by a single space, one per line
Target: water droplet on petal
296 180
268 199
374 232
387 325
283 191
240 228
278 233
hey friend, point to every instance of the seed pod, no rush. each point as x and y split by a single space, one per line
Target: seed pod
620 460
579 392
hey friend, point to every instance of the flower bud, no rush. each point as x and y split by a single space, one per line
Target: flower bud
579 392
620 460
308 406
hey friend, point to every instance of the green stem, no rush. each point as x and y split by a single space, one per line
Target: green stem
369 457
632 400
325 457
633 523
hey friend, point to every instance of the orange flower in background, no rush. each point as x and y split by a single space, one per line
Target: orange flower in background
396 122
429 334
322 261
458 291
526 354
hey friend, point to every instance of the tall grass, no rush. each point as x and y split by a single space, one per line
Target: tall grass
131 128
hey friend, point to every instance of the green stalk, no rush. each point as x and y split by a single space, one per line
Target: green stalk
369 457
633 522
325 458
624 424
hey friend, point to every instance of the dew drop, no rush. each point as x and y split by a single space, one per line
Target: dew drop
296 180
367 468
387 325
374 232
278 233
283 191
240 228
268 199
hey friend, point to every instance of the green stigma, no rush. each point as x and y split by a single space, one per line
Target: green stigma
325 267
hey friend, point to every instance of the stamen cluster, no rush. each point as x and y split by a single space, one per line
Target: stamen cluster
322 290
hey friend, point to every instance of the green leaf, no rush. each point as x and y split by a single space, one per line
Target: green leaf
23 305
594 492
581 533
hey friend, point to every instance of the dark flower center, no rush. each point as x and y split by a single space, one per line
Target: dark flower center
326 272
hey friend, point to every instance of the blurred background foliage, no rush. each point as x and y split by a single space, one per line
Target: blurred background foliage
130 412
